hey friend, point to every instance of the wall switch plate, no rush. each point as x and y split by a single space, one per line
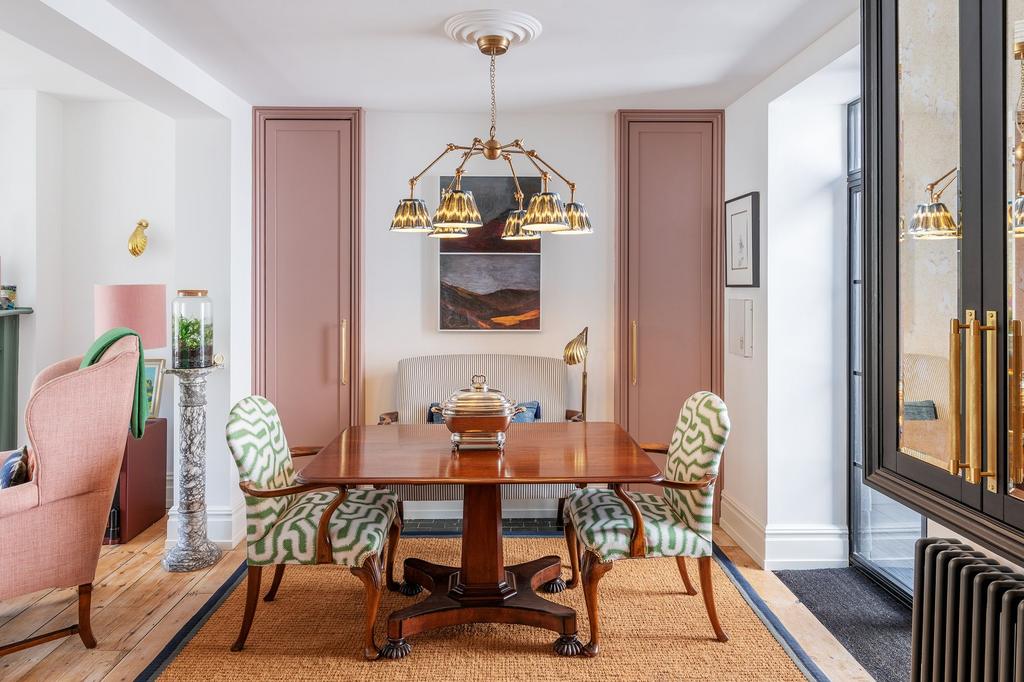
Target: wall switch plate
741 327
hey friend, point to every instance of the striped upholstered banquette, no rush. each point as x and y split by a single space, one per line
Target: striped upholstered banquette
432 378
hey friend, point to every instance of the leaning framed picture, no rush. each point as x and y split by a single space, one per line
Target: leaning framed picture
742 241
154 380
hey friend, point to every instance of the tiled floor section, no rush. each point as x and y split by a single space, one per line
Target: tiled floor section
138 607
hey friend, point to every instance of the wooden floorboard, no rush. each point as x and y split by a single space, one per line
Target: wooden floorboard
138 607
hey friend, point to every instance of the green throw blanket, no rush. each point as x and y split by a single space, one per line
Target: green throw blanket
140 406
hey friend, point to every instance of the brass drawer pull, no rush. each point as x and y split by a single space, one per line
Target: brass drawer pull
955 419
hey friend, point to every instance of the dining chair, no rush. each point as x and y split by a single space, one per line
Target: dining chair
304 524
605 525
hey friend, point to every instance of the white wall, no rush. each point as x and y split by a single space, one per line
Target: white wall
401 272
757 432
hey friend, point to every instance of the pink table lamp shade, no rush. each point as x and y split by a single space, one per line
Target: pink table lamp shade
142 307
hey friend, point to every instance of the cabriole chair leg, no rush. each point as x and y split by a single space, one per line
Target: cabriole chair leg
593 570
706 588
394 535
681 563
252 596
370 574
84 614
275 583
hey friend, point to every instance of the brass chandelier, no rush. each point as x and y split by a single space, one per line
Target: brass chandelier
457 212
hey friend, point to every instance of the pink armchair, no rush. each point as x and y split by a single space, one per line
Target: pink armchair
52 526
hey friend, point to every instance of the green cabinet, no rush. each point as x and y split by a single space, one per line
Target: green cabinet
9 325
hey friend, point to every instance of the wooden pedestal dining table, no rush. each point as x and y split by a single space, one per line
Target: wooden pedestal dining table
482 589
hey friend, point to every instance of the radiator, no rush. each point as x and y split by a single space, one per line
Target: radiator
968 619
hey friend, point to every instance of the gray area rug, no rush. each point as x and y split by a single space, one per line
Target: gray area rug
871 623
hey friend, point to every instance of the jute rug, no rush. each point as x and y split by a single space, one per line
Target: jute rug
651 630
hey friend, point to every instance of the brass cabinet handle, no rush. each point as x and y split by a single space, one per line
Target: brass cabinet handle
343 359
975 470
633 354
1016 425
955 420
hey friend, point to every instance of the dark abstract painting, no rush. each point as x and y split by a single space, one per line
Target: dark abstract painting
490 291
495 197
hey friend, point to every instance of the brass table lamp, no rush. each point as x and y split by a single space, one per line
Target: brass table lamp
576 352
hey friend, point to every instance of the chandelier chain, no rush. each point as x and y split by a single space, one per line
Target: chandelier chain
494 106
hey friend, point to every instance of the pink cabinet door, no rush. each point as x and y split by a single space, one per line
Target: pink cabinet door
304 255
672 268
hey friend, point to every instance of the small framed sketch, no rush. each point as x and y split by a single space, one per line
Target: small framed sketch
742 241
154 380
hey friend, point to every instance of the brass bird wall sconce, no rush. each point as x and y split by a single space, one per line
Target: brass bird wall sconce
138 240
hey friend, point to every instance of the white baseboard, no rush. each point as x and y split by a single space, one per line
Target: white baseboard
799 546
225 525
510 509
743 527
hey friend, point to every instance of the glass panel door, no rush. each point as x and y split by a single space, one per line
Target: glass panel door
934 311
1014 146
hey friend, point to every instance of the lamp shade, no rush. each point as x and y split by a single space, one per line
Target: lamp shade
933 221
141 307
546 213
457 209
445 232
514 227
411 216
579 221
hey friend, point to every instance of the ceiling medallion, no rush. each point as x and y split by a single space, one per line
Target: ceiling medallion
493 32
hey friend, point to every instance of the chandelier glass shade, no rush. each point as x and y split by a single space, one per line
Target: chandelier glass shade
458 212
411 216
514 230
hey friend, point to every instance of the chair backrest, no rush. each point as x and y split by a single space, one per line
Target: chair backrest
695 451
77 422
257 443
432 378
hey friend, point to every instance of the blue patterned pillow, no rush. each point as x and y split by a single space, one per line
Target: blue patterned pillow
532 413
14 470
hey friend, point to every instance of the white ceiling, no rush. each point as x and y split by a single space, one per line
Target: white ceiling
23 67
393 54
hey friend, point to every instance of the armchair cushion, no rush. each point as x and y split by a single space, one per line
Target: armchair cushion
14 470
604 525
358 529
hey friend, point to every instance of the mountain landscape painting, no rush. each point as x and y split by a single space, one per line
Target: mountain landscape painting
489 291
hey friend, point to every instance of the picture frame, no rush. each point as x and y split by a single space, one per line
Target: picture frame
153 376
742 240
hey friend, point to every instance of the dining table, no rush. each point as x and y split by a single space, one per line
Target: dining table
482 588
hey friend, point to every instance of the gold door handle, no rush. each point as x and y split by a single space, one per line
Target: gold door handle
975 470
343 358
632 358
955 419
1016 432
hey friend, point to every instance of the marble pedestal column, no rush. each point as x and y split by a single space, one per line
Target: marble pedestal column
194 549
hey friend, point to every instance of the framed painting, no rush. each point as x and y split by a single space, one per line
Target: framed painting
488 283
742 241
489 292
153 376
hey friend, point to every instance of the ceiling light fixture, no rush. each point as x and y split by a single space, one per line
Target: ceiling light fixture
493 32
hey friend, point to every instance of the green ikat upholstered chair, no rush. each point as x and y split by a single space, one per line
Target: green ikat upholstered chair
305 524
604 525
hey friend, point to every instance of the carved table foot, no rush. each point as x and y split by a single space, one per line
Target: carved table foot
395 648
409 589
554 586
568 645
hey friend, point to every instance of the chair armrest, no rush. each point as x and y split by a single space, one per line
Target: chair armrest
659 448
638 540
304 450
699 484
573 416
387 418
19 498
323 541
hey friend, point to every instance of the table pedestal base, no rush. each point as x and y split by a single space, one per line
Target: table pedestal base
451 602
483 589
